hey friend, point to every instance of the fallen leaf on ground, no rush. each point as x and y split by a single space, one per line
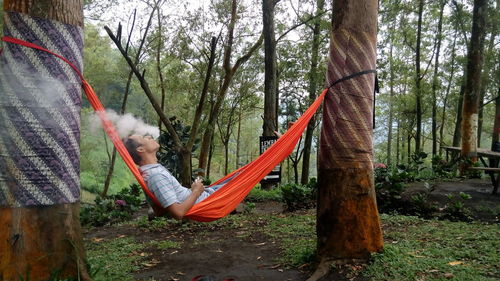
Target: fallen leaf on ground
97 240
260 244
121 236
259 258
174 252
449 275
455 263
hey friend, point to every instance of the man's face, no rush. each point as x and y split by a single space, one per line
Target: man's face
146 143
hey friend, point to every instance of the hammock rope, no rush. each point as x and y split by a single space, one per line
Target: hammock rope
227 197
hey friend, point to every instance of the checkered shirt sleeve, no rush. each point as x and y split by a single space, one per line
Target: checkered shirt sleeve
162 187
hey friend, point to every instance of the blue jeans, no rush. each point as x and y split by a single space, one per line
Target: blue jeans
217 186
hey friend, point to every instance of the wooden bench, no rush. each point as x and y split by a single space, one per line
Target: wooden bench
483 155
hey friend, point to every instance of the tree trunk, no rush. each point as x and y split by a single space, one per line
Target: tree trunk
473 81
39 151
158 68
408 150
397 142
226 158
238 140
210 154
435 80
457 135
312 91
270 89
348 224
484 83
418 78
496 125
391 99
447 94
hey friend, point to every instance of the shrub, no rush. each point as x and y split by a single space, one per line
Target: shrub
389 184
455 209
114 208
261 195
442 168
297 196
420 204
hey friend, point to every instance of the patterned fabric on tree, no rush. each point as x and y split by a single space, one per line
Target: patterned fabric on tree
40 98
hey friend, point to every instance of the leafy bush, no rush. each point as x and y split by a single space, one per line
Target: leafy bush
420 204
389 184
261 195
455 209
297 196
442 168
115 208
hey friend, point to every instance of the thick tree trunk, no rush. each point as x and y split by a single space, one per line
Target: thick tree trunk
270 86
348 224
39 201
435 80
320 4
473 81
418 79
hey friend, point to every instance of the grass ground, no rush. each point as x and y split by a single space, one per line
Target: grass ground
415 249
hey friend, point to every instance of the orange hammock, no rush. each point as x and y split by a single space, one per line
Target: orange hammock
227 197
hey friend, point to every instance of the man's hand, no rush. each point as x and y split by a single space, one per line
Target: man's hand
197 186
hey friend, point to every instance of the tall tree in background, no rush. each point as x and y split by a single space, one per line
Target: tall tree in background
435 78
348 224
313 88
418 79
490 61
473 80
39 153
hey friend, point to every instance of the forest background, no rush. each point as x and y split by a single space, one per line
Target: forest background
417 108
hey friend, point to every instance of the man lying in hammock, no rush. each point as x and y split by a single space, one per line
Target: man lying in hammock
174 198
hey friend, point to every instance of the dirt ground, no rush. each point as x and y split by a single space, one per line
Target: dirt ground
253 256
484 205
208 251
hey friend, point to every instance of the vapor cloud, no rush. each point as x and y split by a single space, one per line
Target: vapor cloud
125 124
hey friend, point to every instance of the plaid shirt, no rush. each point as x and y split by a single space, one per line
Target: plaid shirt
165 187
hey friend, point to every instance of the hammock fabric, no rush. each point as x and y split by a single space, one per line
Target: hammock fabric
227 197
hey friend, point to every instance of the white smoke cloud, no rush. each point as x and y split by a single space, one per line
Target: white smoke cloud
125 124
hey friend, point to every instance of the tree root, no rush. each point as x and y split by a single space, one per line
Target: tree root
324 266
